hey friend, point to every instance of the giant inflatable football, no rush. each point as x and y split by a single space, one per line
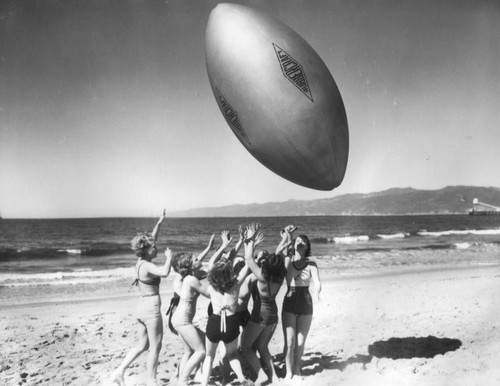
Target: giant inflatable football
278 96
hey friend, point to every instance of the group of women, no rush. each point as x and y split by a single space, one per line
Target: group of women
229 282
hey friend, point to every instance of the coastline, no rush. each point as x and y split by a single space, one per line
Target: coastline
80 342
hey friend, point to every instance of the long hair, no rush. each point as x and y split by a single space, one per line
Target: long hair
222 277
273 268
182 263
141 243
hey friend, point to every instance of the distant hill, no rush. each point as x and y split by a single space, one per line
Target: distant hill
396 201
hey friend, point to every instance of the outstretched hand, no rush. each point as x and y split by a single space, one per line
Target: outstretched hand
251 231
259 237
168 253
226 238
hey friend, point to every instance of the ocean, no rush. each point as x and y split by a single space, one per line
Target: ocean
64 259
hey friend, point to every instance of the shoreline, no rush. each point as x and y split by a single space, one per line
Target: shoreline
167 290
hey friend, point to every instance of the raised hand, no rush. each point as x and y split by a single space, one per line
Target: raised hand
259 237
168 253
226 238
251 231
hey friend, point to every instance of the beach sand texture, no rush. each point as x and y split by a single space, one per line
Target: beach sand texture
424 328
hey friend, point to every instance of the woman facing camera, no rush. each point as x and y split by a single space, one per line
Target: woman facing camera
148 315
297 308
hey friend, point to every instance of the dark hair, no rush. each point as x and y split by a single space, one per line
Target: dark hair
221 277
238 264
182 263
308 244
273 268
261 256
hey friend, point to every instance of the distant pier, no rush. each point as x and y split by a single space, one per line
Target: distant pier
482 209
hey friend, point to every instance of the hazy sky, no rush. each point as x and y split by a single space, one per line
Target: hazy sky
106 108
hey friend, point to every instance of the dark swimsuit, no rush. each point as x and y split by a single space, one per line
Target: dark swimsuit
243 316
265 309
298 300
228 333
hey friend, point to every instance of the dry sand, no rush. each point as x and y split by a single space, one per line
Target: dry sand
425 328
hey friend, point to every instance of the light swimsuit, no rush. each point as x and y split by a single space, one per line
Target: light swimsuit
185 311
149 302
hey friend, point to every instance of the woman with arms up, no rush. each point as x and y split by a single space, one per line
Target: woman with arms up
297 308
223 323
268 277
150 323
187 287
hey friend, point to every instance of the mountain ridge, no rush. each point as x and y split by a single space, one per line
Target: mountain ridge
393 201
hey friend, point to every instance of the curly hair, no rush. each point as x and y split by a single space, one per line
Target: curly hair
182 263
222 277
273 268
141 243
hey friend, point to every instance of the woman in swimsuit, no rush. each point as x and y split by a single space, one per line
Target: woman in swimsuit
268 278
148 314
297 308
223 323
189 288
174 302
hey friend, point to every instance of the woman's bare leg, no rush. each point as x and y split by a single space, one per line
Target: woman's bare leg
185 356
249 337
263 348
303 327
154 327
234 360
289 321
192 337
142 345
211 348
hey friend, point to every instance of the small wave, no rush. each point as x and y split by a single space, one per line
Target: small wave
58 278
12 254
71 251
399 235
350 239
462 245
480 232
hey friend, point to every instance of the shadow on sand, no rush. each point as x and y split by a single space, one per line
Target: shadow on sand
399 348
315 362
393 348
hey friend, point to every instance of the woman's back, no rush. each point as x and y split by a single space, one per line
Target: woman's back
224 301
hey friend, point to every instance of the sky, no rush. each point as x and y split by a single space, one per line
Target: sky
106 109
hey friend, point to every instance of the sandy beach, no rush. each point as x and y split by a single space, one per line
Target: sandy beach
422 328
